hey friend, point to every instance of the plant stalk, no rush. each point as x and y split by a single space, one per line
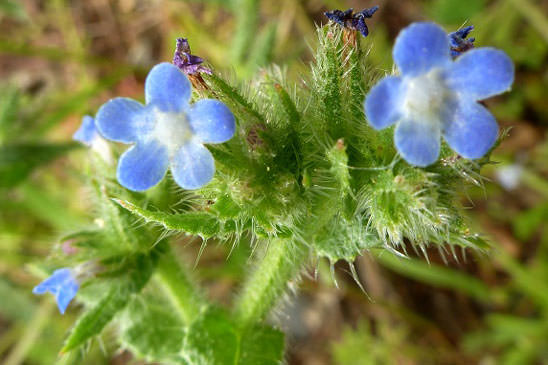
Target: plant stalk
179 287
282 262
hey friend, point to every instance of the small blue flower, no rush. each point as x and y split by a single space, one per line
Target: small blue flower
90 136
435 96
349 19
166 132
458 41
62 284
87 133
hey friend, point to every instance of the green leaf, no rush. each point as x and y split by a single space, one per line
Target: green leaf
215 339
261 54
197 223
247 24
128 280
94 320
153 331
17 161
435 275
13 8
9 105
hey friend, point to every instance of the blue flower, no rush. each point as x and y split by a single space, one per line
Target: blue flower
348 19
435 96
458 41
87 133
62 284
90 136
166 132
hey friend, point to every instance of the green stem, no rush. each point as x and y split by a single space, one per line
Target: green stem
281 263
32 331
179 287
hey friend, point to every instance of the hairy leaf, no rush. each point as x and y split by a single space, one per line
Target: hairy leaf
197 223
128 280
153 331
215 339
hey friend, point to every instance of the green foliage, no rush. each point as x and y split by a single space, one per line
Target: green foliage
151 330
367 346
12 8
126 281
195 223
436 276
305 176
9 107
18 160
216 339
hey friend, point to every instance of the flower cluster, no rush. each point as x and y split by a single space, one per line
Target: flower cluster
349 19
62 284
435 96
459 42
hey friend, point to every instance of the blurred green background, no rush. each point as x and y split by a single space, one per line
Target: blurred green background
60 59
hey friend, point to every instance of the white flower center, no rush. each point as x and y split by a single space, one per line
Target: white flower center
426 95
172 130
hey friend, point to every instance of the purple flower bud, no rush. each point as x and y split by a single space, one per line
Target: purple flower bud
459 43
187 62
349 20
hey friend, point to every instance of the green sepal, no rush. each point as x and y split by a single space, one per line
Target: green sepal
226 207
342 239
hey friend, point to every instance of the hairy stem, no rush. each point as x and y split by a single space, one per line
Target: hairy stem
179 287
281 263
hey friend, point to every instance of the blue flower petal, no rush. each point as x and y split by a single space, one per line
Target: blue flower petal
62 284
167 88
472 131
192 166
87 131
143 165
66 294
123 120
211 121
418 141
382 104
481 73
420 47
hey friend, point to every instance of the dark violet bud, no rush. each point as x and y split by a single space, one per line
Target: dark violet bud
338 16
187 62
368 13
350 20
459 43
